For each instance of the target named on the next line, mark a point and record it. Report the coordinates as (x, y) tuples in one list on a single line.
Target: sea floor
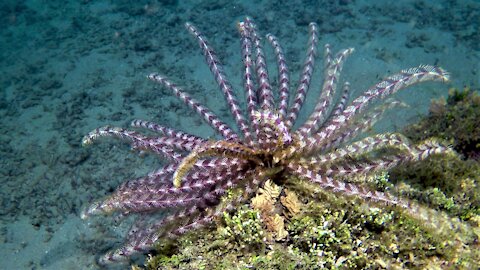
[(69, 67)]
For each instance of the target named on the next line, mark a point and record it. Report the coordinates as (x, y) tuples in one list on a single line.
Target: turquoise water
[(70, 67)]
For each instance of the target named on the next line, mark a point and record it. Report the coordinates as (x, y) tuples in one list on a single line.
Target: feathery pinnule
[(168, 132), (206, 114), (222, 81), (249, 85), (264, 91), (350, 189), (317, 117), (137, 140), (362, 124), (360, 147), (305, 78), (193, 187), (283, 75), (381, 90), (342, 102)]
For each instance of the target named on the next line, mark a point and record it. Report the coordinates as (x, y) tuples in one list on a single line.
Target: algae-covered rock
[(296, 225), (331, 232), (456, 119), (447, 182)]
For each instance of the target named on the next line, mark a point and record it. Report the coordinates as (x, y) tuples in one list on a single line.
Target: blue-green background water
[(68, 67)]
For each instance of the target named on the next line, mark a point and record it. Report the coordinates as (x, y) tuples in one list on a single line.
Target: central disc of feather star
[(322, 150), (257, 153)]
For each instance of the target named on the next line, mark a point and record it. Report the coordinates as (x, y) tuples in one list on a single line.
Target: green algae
[(455, 119)]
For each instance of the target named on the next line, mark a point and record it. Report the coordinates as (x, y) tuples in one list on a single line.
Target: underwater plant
[(195, 186)]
